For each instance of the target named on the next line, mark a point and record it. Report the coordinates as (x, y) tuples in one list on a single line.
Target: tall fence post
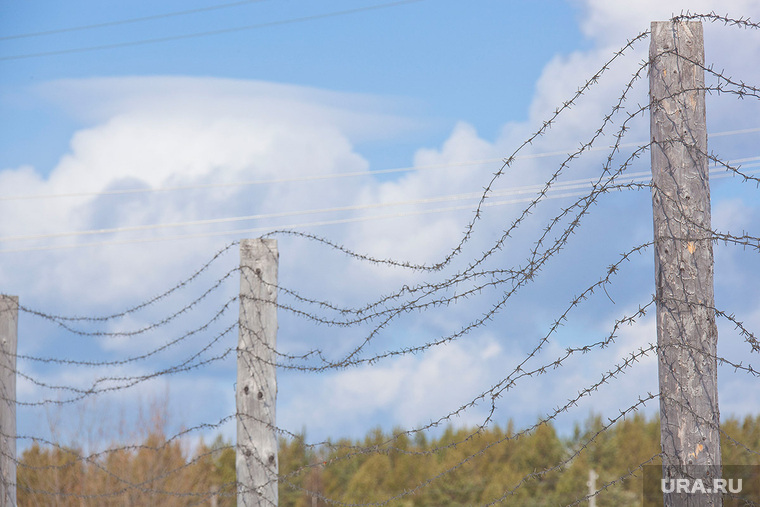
[(8, 344), (686, 331), (256, 392)]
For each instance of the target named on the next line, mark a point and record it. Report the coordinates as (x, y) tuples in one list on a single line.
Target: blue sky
[(445, 88), (355, 53)]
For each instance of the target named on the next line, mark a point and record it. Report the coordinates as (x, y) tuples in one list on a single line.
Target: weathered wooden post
[(256, 461), (686, 331), (591, 483), (8, 344)]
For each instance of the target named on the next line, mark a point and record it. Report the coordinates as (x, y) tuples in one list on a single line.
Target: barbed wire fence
[(210, 340)]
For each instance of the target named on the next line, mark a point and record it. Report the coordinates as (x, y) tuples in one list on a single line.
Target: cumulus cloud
[(405, 393), (152, 133), (606, 22), (157, 132)]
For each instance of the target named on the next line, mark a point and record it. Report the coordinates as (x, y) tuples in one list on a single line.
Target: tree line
[(458, 467)]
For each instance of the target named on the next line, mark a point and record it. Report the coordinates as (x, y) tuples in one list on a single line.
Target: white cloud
[(608, 22), (164, 131), (159, 132), (733, 214), (410, 391)]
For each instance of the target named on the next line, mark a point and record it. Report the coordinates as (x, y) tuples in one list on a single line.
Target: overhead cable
[(127, 21), (571, 185), (208, 33), (316, 177)]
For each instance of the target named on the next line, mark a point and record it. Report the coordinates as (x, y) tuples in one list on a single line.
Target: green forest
[(456, 468)]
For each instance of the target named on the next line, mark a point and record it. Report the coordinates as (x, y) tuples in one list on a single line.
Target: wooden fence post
[(8, 344), (592, 477), (686, 331), (256, 392)]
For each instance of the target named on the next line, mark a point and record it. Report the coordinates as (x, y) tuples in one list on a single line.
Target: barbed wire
[(92, 459), (373, 449), (124, 382), (714, 17), (481, 452), (180, 285), (617, 480), (626, 364), (527, 273), (585, 349), (508, 161), (378, 313)]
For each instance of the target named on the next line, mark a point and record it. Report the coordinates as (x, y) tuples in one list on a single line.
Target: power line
[(288, 227), (573, 184), (296, 179), (127, 21), (316, 177), (570, 185), (208, 33), (734, 132)]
